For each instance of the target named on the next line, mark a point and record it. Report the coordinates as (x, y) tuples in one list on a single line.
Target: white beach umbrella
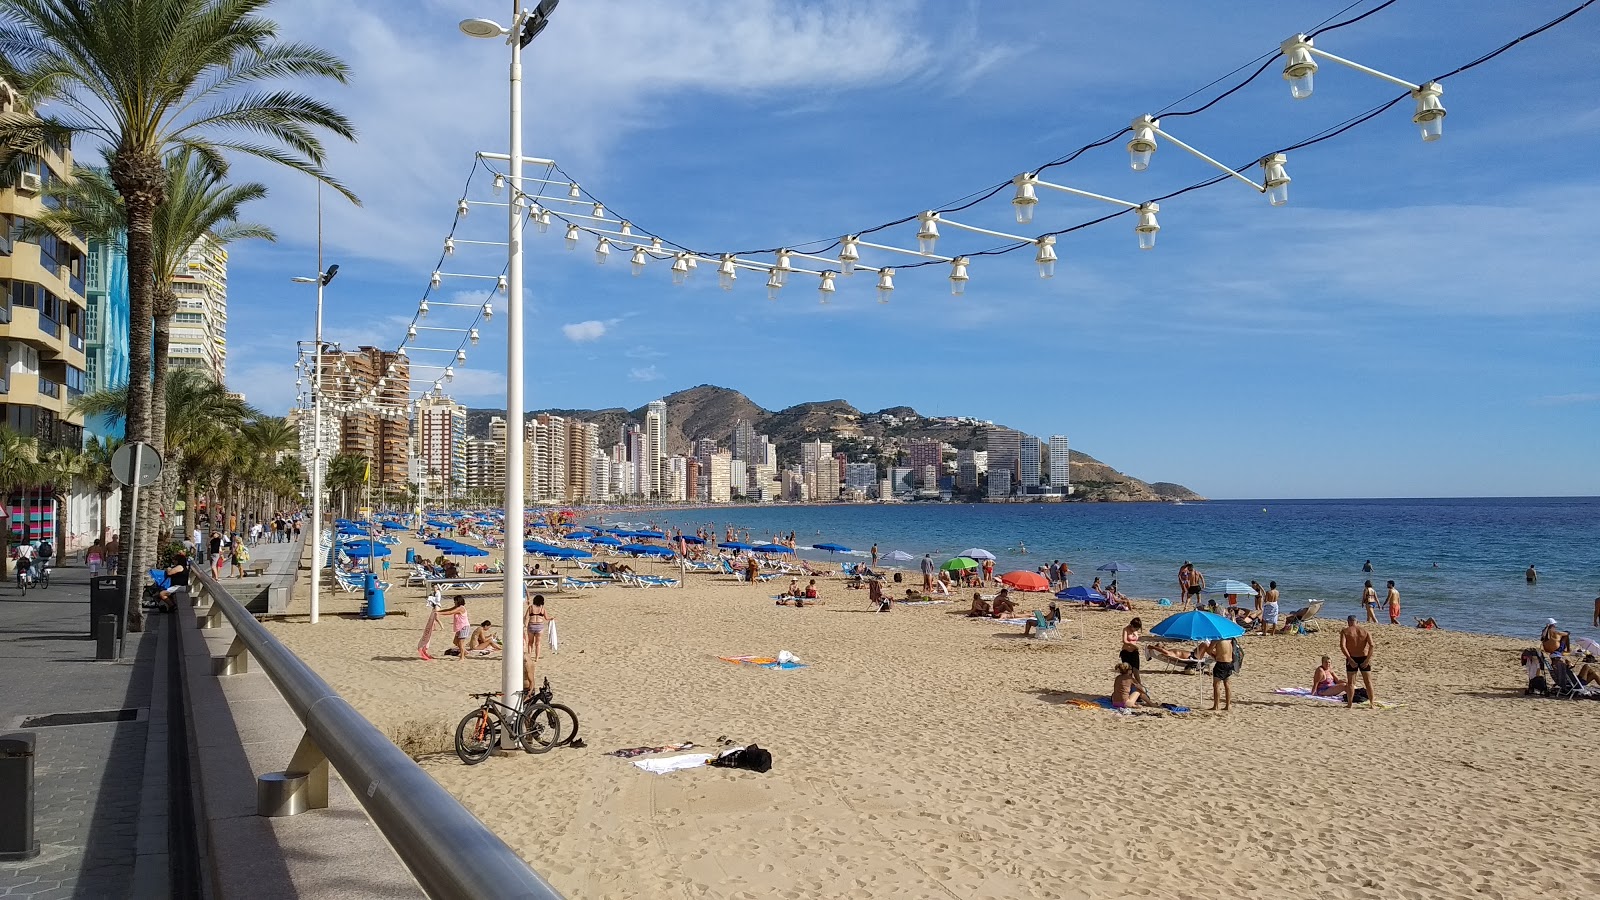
[(976, 553)]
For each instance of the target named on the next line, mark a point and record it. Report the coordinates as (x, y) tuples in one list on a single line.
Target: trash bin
[(16, 784), (105, 599), (411, 555), (374, 597)]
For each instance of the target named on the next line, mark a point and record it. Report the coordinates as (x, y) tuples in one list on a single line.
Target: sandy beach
[(924, 754)]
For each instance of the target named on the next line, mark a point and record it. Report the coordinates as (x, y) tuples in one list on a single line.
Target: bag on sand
[(752, 757)]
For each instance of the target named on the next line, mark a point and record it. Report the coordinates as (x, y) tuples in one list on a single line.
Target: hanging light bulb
[(1275, 178), (422, 308), (774, 286), (885, 284), (574, 192), (541, 218), (461, 356), (656, 249), (1430, 112), (1046, 257), (849, 255), (727, 272), (1143, 143), (958, 276), (411, 332), (462, 208), (299, 383), (826, 288), (436, 278), (637, 262), (599, 211), (1148, 226), (500, 285), (449, 373), (783, 268), (488, 310), (1026, 198), (473, 337), (1298, 66), (927, 231), (438, 387), (499, 183), (680, 269), (626, 229), (602, 251), (572, 236), (449, 246)]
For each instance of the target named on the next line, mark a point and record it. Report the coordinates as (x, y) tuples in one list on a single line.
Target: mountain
[(708, 411)]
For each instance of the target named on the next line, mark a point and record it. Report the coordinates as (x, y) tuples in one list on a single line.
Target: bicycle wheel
[(477, 736), (540, 729), (569, 729)]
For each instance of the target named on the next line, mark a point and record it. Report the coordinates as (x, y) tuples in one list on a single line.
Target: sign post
[(137, 465)]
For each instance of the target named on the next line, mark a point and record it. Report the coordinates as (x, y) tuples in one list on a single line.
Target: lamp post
[(525, 26), (321, 281)]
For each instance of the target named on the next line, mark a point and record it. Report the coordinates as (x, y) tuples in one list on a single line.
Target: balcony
[(75, 341), (49, 388)]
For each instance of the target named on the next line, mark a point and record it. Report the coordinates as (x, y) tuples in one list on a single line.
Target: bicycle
[(25, 576), (535, 727), (546, 696)]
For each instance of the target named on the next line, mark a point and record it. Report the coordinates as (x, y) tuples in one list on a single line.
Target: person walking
[(1369, 602), (988, 571), (927, 573), (1184, 572), (95, 558), (1356, 645), (239, 556), (1394, 604)]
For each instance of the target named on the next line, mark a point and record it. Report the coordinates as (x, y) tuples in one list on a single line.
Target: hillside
[(708, 411)]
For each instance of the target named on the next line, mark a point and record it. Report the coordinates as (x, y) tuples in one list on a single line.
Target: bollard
[(16, 784), (105, 637)]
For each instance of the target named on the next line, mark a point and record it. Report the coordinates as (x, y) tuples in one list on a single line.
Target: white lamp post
[(320, 280), (525, 26)]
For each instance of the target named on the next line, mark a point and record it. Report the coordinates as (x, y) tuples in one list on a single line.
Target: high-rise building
[(200, 325), (655, 447), (583, 442), (902, 481), (820, 470), (923, 453), (1029, 454), (967, 470), (442, 446), (691, 479), (1005, 450), (106, 334), (384, 441), (1060, 463), (703, 448), (485, 459), (547, 465), (677, 475), (719, 473), (861, 477), (744, 441)]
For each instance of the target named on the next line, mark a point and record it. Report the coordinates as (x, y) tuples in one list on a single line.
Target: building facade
[(1060, 464), (1005, 448), (106, 335), (655, 448), (923, 454), (819, 470), (200, 325), (442, 446), (364, 431)]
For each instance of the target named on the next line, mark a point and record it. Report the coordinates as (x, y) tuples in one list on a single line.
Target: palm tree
[(145, 78), (58, 467), (346, 472), (19, 468), (97, 472)]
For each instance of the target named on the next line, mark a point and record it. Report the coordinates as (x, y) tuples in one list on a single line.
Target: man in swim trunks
[(1269, 610), (1197, 584), (1221, 671), (1394, 604), (1357, 647)]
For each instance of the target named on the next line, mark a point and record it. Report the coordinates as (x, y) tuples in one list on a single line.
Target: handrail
[(452, 854)]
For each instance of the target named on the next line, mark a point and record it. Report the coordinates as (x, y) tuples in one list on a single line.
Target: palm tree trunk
[(104, 499), (163, 305), (140, 179)]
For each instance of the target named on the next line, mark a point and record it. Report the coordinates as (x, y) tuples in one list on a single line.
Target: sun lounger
[(1565, 684), (1187, 666)]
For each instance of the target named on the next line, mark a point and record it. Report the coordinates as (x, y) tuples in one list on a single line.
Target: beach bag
[(1360, 696), (897, 578), (752, 757), (242, 555)]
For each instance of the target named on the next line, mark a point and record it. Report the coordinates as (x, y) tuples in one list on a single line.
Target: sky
[(1421, 319)]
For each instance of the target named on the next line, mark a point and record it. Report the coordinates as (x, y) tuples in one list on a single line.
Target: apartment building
[(200, 325), (442, 446), (383, 441)]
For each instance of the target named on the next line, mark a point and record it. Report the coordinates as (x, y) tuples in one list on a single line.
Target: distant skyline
[(1419, 320)]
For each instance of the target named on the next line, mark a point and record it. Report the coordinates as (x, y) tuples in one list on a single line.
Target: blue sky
[(1420, 320)]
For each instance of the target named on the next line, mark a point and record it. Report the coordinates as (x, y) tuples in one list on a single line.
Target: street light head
[(302, 279), (482, 28)]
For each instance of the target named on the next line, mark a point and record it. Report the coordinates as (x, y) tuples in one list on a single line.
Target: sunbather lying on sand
[(1182, 655), (1427, 624), (797, 602)]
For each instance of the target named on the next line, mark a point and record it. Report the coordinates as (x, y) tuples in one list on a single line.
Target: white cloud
[(580, 332), (644, 373), (1567, 399)]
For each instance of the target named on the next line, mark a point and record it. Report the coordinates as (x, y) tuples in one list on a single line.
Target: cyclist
[(25, 562)]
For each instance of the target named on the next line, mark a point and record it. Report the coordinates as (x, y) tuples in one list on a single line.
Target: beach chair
[(1296, 621), (1186, 666), (1565, 684), (1043, 628), (582, 583)]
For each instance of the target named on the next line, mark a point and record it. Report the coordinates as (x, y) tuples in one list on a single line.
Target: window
[(76, 381), (5, 234), (5, 305), (190, 318)]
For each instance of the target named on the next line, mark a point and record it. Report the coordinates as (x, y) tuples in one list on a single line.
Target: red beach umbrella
[(1025, 581)]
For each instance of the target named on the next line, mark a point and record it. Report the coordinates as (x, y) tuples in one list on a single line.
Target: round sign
[(147, 458)]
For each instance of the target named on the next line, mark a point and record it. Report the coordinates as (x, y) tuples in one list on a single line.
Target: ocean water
[(1458, 560)]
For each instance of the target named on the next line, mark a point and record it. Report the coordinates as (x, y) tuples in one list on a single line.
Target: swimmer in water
[(1021, 547)]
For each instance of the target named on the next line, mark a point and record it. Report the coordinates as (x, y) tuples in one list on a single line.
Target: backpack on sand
[(752, 757)]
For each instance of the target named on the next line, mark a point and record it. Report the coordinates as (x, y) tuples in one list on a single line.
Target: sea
[(1460, 561)]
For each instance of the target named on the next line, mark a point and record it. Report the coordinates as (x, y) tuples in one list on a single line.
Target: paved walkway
[(89, 778)]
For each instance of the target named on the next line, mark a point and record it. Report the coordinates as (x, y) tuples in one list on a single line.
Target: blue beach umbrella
[(649, 534), (1115, 567), (977, 553), (1196, 625), (605, 539), (769, 547), (645, 550), (364, 549), (735, 545), (831, 548), (1080, 593), (689, 539)]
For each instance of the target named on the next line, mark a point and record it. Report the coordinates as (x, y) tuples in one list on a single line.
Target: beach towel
[(1332, 698), (550, 632), (631, 752), (921, 602), (765, 662), (1014, 621), (664, 764)]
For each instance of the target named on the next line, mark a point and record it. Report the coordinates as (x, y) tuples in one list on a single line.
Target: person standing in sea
[(1532, 576), (927, 573), (1369, 601), (1394, 604), (874, 556)]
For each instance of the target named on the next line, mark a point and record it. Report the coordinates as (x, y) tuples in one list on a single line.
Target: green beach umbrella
[(959, 563)]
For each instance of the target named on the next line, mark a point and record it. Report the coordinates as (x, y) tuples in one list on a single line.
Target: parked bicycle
[(569, 731), (535, 727)]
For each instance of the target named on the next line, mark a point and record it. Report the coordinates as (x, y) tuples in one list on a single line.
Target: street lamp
[(525, 26), (321, 281)]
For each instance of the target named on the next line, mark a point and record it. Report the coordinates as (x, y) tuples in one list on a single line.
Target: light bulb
[(849, 255), (499, 184), (462, 209), (1430, 112), (449, 246), (473, 336), (488, 310), (727, 273), (574, 192), (449, 373), (500, 285), (1298, 66), (1143, 143), (411, 332), (958, 276), (885, 284), (1148, 226), (461, 356), (541, 218), (927, 232), (1025, 200), (774, 286), (422, 308), (637, 262), (602, 251), (1275, 178), (783, 268), (599, 211), (436, 278), (680, 269), (826, 288), (1046, 257), (572, 236)]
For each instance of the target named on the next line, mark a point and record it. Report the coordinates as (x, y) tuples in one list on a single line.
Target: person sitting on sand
[(1125, 692), (1324, 683), (483, 642), (876, 596), (811, 589), (1428, 623), (943, 584), (1553, 641), (1003, 605), (794, 590), (980, 607)]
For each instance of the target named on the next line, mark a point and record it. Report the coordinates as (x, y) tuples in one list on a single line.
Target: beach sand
[(924, 754)]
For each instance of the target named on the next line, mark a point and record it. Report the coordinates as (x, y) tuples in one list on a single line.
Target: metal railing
[(450, 851)]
